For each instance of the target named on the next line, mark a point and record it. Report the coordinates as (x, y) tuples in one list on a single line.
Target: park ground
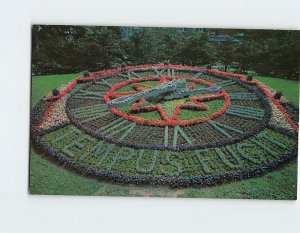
[(48, 178)]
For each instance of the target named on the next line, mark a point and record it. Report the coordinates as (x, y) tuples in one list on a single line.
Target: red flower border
[(51, 107), (112, 72), (165, 120), (278, 105)]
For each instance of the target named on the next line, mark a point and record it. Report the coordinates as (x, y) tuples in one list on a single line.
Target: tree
[(246, 54), (227, 51), (68, 49)]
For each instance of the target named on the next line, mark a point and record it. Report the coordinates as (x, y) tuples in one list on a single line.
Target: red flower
[(170, 121)]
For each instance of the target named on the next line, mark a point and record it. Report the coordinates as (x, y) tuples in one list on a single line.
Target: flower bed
[(195, 103), (177, 143)]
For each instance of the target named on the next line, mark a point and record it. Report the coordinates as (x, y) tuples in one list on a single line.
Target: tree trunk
[(226, 65)]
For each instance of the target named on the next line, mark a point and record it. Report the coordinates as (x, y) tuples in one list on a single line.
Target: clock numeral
[(242, 96), (117, 127), (246, 112), (166, 137), (226, 83), (177, 130), (197, 75), (103, 82), (171, 72), (96, 117), (90, 113), (220, 127), (129, 75), (135, 74), (159, 72), (82, 94), (111, 124), (88, 110)]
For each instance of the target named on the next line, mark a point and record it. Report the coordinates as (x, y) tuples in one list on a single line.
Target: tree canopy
[(68, 49)]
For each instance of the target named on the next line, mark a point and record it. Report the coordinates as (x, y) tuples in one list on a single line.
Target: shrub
[(86, 74), (166, 62), (278, 95), (251, 72), (123, 65), (250, 77), (55, 92)]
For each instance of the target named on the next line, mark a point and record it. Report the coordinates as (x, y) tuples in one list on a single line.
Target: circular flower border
[(43, 107), (165, 120), (241, 81)]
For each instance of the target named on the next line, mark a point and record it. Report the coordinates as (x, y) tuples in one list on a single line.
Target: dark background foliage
[(69, 49)]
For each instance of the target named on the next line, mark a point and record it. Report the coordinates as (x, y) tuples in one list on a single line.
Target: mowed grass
[(48, 178), (289, 88), (42, 85)]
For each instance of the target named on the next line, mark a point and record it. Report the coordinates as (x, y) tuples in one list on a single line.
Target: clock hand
[(185, 93), (165, 91), (160, 90)]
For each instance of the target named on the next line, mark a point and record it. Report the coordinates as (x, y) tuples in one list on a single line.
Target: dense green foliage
[(55, 92), (278, 95), (86, 73), (67, 49)]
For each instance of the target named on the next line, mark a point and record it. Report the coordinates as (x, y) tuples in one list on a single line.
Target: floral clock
[(166, 124)]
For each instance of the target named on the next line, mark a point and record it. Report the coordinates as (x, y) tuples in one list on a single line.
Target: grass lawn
[(48, 178), (289, 88), (42, 85)]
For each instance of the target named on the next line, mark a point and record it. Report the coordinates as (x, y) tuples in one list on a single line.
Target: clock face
[(180, 111), (213, 127), (180, 123)]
